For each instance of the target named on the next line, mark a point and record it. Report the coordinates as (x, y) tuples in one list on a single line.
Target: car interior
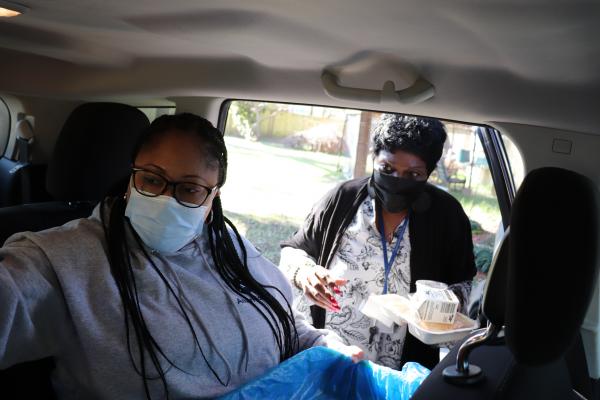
[(78, 78)]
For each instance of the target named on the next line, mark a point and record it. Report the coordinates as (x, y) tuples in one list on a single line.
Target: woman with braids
[(380, 235), (156, 295)]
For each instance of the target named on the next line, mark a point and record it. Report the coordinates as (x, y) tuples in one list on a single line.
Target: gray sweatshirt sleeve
[(31, 306)]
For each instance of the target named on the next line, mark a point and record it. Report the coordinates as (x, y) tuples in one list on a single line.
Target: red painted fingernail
[(337, 290)]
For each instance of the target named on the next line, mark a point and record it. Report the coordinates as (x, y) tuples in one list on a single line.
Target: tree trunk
[(362, 146)]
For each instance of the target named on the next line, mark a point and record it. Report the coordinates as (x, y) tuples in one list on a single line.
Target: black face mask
[(395, 194)]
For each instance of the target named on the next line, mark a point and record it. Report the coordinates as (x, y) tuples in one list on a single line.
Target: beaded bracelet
[(295, 279)]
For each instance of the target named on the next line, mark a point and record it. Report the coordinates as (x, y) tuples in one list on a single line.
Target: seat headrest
[(24, 130), (552, 263), (494, 296), (93, 151)]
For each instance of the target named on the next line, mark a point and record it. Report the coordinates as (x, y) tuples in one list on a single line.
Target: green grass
[(480, 208), (264, 233)]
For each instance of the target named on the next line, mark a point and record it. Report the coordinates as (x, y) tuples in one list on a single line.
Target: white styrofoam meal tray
[(392, 307), (428, 336)]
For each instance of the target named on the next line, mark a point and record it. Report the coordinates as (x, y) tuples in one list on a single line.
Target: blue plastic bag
[(321, 373)]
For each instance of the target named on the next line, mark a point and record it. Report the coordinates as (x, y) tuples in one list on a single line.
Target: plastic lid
[(430, 285)]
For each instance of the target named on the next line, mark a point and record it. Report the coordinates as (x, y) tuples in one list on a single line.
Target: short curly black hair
[(423, 137)]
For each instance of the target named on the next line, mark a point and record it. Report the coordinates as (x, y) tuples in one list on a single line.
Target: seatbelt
[(22, 150), (23, 141), (21, 154)]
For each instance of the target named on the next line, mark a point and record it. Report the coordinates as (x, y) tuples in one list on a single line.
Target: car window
[(465, 173), (4, 126), (154, 112), (284, 157)]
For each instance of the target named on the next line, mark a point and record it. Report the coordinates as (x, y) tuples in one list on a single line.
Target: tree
[(247, 116)]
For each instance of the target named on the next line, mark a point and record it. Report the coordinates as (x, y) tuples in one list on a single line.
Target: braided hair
[(232, 267)]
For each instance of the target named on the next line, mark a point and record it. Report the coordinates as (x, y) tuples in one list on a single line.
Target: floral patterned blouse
[(359, 259)]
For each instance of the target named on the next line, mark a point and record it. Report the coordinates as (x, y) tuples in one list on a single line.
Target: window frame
[(502, 176)]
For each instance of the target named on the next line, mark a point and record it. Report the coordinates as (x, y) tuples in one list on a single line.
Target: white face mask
[(162, 223)]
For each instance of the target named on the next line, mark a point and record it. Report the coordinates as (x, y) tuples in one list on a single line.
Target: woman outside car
[(380, 235)]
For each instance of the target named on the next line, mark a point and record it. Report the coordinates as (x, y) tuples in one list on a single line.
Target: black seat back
[(552, 263), (39, 216), (93, 151), (544, 286), (92, 154)]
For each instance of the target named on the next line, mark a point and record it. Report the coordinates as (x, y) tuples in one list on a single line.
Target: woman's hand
[(319, 286), (354, 352), (333, 341)]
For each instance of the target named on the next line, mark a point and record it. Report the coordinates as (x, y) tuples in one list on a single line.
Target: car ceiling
[(534, 62)]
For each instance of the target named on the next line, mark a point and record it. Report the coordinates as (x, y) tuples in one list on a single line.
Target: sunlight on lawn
[(480, 208), (267, 180), (270, 189)]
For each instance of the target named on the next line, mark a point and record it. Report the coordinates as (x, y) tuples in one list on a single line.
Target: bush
[(324, 138)]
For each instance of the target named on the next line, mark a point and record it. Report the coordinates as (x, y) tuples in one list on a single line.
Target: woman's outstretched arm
[(32, 309)]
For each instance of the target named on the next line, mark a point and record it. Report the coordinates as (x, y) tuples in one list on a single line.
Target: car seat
[(539, 288), (92, 155)]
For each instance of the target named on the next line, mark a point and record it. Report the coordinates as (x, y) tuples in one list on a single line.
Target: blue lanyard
[(387, 264)]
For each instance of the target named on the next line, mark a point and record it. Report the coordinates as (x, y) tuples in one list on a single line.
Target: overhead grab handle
[(418, 92)]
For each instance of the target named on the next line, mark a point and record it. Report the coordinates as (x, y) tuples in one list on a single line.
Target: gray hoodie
[(58, 298)]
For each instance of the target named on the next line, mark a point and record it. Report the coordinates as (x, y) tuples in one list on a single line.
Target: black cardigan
[(440, 239)]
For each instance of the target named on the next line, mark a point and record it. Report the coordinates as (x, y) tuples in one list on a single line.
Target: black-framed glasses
[(187, 194)]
